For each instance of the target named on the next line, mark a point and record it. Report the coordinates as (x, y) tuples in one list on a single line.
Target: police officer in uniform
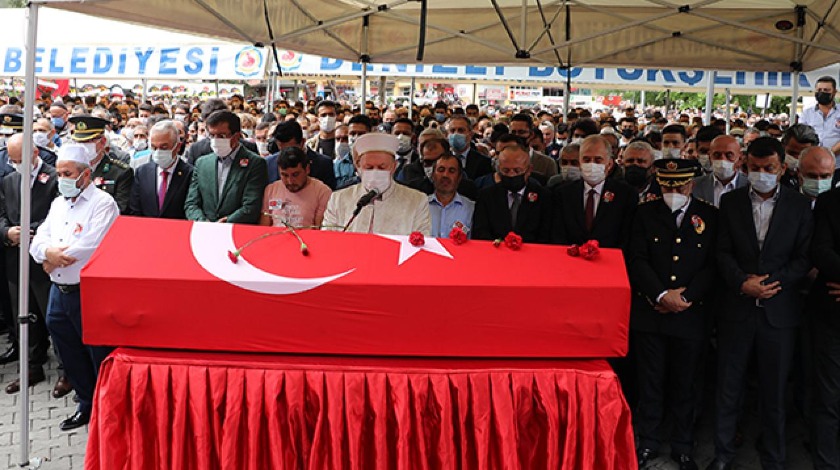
[(671, 263), (110, 175)]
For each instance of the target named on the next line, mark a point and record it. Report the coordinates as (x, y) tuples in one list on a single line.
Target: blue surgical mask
[(814, 187), (458, 142), (763, 182), (58, 123), (67, 187)]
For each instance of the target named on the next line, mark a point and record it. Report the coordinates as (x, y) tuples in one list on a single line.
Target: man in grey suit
[(726, 157)]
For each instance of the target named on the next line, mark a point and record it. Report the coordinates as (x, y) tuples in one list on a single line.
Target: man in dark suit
[(290, 134), (44, 188), (765, 231), (227, 185), (202, 147), (726, 160), (160, 186), (418, 174), (825, 302), (671, 264), (594, 208), (516, 204), (112, 176), (460, 135)]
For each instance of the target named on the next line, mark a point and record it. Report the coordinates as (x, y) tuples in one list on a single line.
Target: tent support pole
[(794, 99), (710, 99), (364, 59), (728, 109), (145, 83), (411, 98), (667, 100), (642, 99), (25, 211), (383, 80), (217, 88)]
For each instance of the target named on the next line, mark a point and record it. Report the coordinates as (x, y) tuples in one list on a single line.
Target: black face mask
[(513, 184), (636, 176), (628, 133), (823, 98)]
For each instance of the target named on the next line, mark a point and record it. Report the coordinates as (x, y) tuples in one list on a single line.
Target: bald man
[(44, 188), (516, 204), (726, 159), (816, 172)]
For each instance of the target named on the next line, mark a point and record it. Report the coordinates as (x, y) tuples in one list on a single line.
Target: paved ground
[(65, 450), (56, 449)]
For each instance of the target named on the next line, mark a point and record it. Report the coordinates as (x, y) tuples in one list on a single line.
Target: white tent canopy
[(768, 35)]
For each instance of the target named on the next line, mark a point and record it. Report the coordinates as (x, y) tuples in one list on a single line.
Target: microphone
[(363, 201), (366, 199)]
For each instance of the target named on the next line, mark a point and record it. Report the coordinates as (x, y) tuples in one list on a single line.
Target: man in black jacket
[(765, 231), (516, 204)]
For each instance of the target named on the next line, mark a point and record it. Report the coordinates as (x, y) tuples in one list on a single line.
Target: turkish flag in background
[(145, 287)]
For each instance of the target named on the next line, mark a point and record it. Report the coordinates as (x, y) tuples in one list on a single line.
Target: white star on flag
[(407, 250)]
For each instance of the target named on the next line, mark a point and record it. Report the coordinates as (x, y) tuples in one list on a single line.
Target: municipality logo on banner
[(249, 62)]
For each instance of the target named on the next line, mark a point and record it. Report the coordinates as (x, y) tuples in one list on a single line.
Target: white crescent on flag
[(210, 243)]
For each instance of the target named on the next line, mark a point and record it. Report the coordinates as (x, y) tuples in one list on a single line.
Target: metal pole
[(295, 93), (710, 98), (642, 100), (217, 88), (364, 88), (766, 104), (728, 110), (567, 92), (145, 83), (523, 32), (667, 100), (383, 81), (411, 98), (794, 100), (25, 214)]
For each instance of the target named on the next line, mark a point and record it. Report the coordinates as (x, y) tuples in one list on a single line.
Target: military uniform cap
[(87, 127), (674, 172), (11, 123)]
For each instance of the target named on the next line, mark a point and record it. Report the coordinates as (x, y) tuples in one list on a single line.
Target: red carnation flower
[(458, 236), (513, 241), (590, 250), (417, 239), (304, 249), (573, 251), (234, 256)]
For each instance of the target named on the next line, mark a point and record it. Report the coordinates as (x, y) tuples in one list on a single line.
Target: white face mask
[(405, 144), (792, 163), (379, 180), (763, 182), (342, 149), (17, 166), (305, 135), (723, 169), (220, 147), (704, 161), (429, 170), (577, 140), (41, 139), (67, 187), (674, 200), (262, 147), (593, 173), (141, 144), (327, 123), (163, 158), (91, 150), (657, 154), (671, 152), (569, 172)]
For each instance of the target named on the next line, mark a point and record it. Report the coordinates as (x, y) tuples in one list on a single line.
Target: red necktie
[(589, 210), (162, 190)]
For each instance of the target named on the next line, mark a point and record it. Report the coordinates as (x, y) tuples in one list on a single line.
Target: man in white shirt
[(75, 225), (396, 209), (825, 116)]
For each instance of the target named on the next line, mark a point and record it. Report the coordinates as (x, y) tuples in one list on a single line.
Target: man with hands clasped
[(765, 231)]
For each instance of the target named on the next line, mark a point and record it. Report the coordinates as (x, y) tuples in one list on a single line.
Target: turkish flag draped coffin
[(172, 284)]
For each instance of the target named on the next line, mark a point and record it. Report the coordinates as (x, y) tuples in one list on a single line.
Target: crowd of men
[(731, 231)]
